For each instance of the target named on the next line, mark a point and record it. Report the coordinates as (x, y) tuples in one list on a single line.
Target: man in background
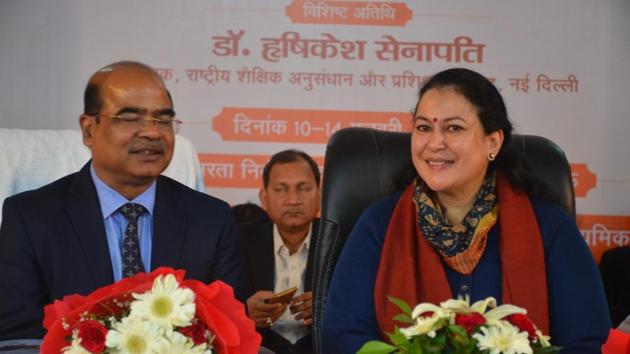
[(276, 253), (116, 216)]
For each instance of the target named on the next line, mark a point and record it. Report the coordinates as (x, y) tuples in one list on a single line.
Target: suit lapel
[(84, 212), (169, 227), (261, 254), (262, 257)]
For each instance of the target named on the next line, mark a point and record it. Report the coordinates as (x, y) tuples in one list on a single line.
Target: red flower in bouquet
[(470, 320), (151, 312), (523, 323), (92, 334), (196, 332)]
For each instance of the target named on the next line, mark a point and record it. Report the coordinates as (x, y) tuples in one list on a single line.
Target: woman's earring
[(492, 156)]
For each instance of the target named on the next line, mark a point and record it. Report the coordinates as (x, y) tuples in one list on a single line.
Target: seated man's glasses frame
[(135, 119)]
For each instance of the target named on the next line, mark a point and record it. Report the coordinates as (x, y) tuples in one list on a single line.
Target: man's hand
[(302, 307), (264, 315)]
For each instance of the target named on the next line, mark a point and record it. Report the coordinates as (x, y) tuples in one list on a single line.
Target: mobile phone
[(283, 296)]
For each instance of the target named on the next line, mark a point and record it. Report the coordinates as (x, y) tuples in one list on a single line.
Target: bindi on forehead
[(433, 119)]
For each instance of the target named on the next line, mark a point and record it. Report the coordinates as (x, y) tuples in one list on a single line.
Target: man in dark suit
[(615, 270), (117, 215), (276, 252)]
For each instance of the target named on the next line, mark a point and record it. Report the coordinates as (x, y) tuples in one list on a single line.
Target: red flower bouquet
[(157, 312)]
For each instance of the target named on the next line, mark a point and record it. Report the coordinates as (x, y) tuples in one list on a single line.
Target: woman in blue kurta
[(474, 223)]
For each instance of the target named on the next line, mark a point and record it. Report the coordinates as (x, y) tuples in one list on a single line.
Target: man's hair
[(288, 156), (92, 100)]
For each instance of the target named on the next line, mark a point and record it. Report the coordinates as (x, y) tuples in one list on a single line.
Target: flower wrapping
[(157, 312), (618, 343)]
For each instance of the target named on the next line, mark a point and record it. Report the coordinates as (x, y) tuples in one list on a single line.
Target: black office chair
[(364, 165)]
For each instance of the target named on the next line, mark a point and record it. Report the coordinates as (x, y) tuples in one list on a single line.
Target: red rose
[(196, 331), (92, 334), (470, 321), (523, 323)]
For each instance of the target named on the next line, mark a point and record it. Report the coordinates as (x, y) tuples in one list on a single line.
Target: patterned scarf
[(462, 245)]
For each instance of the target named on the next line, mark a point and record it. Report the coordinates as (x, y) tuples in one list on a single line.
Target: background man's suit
[(615, 270), (53, 243), (257, 273)]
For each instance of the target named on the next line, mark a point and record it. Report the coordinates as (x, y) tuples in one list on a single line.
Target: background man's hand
[(302, 307), (264, 315)]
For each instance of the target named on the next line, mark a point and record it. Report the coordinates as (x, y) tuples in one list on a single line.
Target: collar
[(278, 244), (110, 200)]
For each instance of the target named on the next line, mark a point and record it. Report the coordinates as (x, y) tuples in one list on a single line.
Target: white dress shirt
[(289, 272)]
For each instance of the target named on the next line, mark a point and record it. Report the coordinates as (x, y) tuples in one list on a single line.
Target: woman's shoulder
[(548, 212), (384, 207), (554, 221)]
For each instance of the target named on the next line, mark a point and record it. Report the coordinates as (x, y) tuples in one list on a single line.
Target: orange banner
[(236, 171), (362, 13), (300, 126), (583, 179), (603, 232)]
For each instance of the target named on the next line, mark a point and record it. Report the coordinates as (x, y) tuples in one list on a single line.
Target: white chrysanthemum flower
[(180, 344), (504, 339), (134, 336), (166, 305), (75, 347)]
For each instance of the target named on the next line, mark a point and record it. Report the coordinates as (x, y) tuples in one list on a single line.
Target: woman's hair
[(487, 100)]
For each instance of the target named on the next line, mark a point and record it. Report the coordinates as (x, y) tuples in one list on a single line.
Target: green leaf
[(440, 338), (402, 304), (458, 331), (376, 347), (403, 318), (435, 345), (397, 338), (550, 349), (415, 346)]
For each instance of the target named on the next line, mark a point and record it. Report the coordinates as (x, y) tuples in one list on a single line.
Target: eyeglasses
[(164, 121)]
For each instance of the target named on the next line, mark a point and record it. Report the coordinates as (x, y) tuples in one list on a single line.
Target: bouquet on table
[(618, 342), (157, 312), (457, 327)]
